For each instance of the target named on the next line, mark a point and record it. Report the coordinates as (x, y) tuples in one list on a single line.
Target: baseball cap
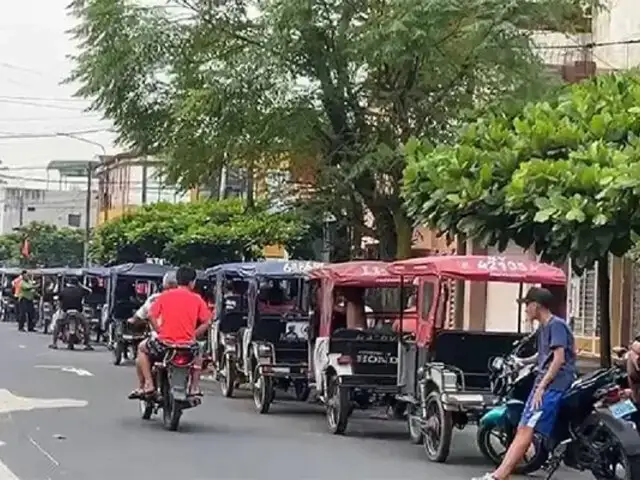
[(538, 295)]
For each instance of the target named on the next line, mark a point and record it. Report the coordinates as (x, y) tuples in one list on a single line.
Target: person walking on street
[(26, 295)]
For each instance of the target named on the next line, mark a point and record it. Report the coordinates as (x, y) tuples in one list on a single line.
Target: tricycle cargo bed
[(471, 351)]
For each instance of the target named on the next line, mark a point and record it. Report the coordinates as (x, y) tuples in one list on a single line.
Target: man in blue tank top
[(556, 361)]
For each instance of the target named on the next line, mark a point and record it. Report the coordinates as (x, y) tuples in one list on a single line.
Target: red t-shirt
[(180, 311)]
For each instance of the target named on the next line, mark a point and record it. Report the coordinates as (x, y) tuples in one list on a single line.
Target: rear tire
[(338, 407), (416, 435), (146, 409), (171, 410), (118, 353), (228, 380), (302, 391)]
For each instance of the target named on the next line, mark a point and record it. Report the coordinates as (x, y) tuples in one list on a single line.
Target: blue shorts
[(543, 419)]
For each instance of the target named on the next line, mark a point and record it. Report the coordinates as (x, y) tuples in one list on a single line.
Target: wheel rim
[(415, 429), (143, 406), (433, 429)]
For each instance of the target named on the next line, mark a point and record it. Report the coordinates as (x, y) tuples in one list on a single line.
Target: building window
[(74, 220), (31, 209)]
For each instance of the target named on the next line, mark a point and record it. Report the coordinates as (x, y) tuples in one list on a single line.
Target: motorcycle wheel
[(439, 429), (302, 391), (227, 382), (146, 409), (416, 436), (530, 464), (263, 392), (171, 412), (118, 353), (338, 407)]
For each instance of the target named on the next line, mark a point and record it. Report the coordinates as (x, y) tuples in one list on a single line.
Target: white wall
[(39, 205), (618, 23), (502, 308)]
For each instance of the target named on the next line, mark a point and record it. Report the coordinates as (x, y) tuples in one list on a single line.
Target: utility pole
[(87, 217), (145, 172), (21, 207)]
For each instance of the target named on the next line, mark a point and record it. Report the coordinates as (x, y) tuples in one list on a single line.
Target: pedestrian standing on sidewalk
[(26, 310)]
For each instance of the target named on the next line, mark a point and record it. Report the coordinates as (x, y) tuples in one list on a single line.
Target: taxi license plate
[(622, 409)]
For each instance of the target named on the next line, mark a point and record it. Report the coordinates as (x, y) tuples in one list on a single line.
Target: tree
[(49, 246), (562, 177), (341, 85), (199, 234)]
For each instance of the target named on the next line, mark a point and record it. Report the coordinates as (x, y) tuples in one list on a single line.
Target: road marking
[(44, 452), (6, 474), (22, 346), (12, 403), (78, 371)]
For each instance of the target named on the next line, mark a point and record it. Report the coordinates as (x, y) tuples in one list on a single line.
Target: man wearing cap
[(556, 364)]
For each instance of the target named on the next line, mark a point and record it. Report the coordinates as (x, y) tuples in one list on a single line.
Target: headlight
[(264, 350), (496, 364)]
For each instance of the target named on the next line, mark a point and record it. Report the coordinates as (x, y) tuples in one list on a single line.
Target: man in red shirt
[(178, 316)]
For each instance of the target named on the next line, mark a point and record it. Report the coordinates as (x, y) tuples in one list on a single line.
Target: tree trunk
[(604, 288), (250, 186), (404, 234)]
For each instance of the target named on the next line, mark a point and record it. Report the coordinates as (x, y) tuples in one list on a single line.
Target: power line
[(50, 119), (42, 99), (40, 105), (26, 135), (18, 68), (588, 45)]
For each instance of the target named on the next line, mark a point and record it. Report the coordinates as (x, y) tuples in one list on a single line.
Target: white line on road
[(44, 452), (78, 371)]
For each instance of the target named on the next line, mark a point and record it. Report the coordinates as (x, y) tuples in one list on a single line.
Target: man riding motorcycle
[(178, 316), (71, 299)]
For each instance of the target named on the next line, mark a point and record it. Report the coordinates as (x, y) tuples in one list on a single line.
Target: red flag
[(25, 248)]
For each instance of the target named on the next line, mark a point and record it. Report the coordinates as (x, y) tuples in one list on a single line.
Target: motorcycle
[(72, 333), (172, 378), (511, 382), (588, 435)]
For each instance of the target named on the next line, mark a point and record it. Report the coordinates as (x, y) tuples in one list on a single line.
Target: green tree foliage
[(562, 178), (340, 84), (199, 234), (49, 246)]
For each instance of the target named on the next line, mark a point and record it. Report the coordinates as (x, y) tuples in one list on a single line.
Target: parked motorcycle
[(512, 382), (588, 435), (172, 378)]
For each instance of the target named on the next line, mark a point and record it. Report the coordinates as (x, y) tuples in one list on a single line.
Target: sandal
[(197, 393), (140, 394)]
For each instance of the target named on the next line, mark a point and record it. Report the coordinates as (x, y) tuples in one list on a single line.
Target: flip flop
[(139, 394)]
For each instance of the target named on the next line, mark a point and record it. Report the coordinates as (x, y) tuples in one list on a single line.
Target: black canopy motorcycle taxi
[(260, 333), (129, 286)]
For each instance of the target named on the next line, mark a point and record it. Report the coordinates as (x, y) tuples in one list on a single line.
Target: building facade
[(63, 208), (126, 181)]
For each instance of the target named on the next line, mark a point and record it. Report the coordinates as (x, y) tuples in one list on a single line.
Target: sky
[(33, 61)]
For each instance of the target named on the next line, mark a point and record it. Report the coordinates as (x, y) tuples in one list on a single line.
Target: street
[(88, 430)]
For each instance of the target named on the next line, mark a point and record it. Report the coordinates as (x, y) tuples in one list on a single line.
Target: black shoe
[(88, 348), (53, 346), (21, 329)]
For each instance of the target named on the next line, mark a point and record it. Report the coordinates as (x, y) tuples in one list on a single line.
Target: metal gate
[(584, 310)]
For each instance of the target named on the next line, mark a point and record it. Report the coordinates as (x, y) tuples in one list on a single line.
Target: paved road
[(88, 430)]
